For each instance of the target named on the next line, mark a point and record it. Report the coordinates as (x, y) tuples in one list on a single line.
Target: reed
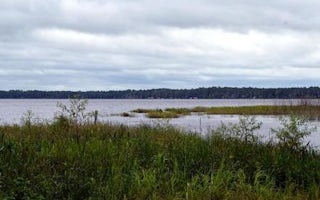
[(103, 161), (310, 111), (162, 114), (141, 110)]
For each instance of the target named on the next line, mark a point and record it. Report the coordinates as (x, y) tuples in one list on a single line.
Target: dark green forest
[(200, 93)]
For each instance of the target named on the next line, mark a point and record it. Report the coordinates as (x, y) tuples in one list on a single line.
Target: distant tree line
[(200, 93)]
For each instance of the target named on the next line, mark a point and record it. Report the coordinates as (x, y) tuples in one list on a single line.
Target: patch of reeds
[(161, 114), (311, 111), (265, 110), (157, 113), (179, 111), (103, 161), (141, 110)]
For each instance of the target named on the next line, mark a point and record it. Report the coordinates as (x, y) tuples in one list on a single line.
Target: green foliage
[(293, 133), (179, 111), (162, 114), (104, 161), (245, 130)]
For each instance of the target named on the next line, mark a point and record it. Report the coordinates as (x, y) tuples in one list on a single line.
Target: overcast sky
[(141, 44)]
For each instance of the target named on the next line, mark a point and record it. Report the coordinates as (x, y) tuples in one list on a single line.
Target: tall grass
[(103, 161), (311, 111)]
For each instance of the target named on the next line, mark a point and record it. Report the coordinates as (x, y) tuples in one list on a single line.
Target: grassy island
[(304, 110)]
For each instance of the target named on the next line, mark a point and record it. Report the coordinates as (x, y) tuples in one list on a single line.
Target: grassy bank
[(311, 111), (68, 160)]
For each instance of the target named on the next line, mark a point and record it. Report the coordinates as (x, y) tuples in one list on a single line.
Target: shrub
[(293, 132), (75, 111), (245, 130)]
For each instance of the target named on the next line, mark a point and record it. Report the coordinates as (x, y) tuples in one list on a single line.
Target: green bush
[(104, 161), (293, 133)]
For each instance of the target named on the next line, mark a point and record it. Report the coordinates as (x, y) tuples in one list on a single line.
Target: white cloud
[(80, 44)]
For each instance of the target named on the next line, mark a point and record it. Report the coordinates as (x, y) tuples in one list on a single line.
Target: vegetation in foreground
[(310, 111), (74, 159)]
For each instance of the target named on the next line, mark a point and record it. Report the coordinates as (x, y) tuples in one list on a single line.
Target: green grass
[(179, 111), (161, 114), (62, 160), (311, 111), (265, 110)]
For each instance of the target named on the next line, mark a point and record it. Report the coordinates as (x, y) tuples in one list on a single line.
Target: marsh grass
[(179, 111), (162, 114), (267, 110), (158, 113), (141, 110), (105, 161), (310, 111)]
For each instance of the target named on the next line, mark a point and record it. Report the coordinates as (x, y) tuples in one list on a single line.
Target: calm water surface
[(11, 111)]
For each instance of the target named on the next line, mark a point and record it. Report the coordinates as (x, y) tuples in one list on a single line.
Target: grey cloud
[(97, 44), (129, 16)]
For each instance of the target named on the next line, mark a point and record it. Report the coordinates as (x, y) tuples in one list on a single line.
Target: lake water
[(12, 110)]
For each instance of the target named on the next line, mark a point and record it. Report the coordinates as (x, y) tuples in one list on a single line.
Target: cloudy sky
[(141, 44)]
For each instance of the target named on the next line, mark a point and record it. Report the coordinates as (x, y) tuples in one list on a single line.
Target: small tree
[(75, 111), (293, 133), (245, 130)]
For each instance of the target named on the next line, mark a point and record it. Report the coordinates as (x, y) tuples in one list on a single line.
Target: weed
[(155, 162)]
